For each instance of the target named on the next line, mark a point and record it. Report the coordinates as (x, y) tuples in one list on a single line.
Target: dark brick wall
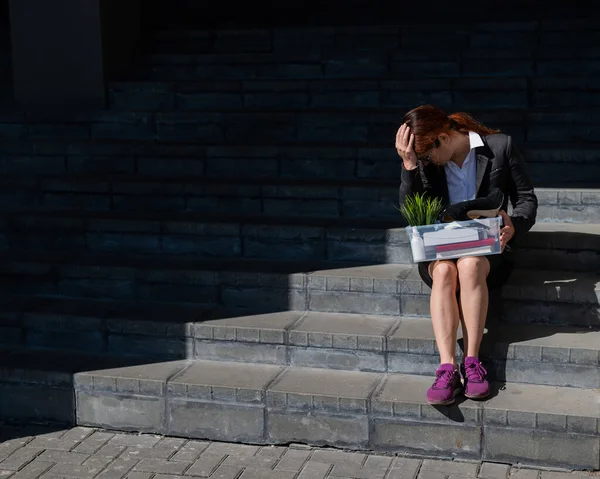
[(338, 12), (5, 63)]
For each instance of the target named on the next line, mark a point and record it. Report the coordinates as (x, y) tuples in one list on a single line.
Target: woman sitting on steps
[(455, 158)]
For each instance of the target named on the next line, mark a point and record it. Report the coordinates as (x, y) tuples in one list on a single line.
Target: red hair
[(427, 122)]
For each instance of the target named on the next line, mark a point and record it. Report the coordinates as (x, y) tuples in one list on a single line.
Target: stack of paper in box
[(453, 240)]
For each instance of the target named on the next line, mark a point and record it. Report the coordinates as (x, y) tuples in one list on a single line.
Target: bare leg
[(465, 336), (444, 308), (472, 274)]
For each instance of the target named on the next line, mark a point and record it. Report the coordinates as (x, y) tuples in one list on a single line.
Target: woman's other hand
[(508, 230), (404, 146)]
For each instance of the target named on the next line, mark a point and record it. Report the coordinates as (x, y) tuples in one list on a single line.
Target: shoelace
[(443, 379), (475, 372)]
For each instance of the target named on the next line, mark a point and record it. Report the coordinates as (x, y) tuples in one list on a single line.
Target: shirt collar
[(475, 140)]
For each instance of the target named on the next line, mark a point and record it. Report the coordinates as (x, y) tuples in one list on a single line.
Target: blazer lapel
[(482, 166)]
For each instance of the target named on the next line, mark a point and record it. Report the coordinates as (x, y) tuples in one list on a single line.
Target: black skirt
[(501, 266)]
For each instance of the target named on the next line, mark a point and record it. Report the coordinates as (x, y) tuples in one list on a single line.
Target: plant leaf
[(419, 209)]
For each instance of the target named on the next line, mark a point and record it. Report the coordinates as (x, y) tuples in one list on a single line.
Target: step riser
[(262, 248), (275, 418), (569, 214), (155, 331), (582, 376), (413, 429), (524, 311), (309, 293), (558, 260), (37, 403), (419, 357), (263, 405), (515, 310), (546, 373)]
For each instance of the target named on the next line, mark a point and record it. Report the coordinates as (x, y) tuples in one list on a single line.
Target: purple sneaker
[(446, 386), (476, 385)]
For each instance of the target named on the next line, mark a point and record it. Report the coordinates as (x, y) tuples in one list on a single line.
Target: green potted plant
[(420, 210)]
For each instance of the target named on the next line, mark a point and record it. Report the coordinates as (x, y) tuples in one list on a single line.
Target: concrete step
[(350, 94), (258, 286), (561, 246), (534, 354), (553, 245), (38, 386), (566, 165), (560, 297), (268, 404), (569, 205), (553, 297)]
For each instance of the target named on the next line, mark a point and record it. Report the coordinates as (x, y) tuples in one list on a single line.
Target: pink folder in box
[(466, 244)]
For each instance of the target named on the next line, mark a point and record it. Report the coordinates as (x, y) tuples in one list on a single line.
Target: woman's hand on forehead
[(405, 141)]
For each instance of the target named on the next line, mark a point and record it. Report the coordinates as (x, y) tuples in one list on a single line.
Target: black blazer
[(499, 165)]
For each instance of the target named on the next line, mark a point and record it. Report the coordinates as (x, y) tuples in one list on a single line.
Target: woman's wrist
[(409, 166)]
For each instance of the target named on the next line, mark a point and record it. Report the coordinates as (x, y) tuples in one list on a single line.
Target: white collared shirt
[(462, 182)]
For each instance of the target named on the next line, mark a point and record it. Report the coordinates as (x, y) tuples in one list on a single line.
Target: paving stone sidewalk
[(31, 452)]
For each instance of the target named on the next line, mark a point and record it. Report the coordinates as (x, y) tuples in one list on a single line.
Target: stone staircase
[(219, 255)]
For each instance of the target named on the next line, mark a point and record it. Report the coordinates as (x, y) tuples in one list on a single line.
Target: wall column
[(63, 51)]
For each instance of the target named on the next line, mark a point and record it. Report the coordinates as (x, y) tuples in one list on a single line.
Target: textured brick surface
[(541, 447), (490, 470), (145, 458), (231, 422), (137, 218), (264, 403), (537, 353)]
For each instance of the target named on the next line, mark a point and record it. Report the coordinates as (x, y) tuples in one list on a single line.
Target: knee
[(445, 274), (473, 269)]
